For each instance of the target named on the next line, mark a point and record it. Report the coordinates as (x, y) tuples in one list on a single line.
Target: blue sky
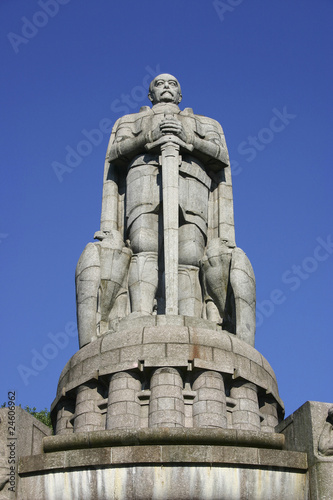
[(262, 69)]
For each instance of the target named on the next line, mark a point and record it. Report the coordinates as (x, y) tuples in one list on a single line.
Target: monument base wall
[(256, 468)]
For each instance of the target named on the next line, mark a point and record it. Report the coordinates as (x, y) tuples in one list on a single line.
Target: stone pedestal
[(165, 463), (166, 407), (167, 371)]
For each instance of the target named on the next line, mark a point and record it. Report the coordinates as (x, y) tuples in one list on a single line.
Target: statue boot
[(100, 278), (229, 280), (87, 279), (243, 285), (115, 260), (142, 282)]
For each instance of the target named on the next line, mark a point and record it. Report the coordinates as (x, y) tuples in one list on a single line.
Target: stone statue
[(166, 245), (325, 445)]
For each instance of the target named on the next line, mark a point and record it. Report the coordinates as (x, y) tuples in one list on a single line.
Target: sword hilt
[(169, 138)]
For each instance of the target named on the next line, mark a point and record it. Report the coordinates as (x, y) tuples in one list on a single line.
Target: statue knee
[(191, 245), (143, 234), (144, 240)]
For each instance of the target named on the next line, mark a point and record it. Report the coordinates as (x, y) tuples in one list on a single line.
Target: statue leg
[(87, 279), (243, 285), (191, 249), (115, 260), (216, 271), (143, 273)]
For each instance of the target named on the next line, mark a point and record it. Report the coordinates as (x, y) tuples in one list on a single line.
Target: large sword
[(170, 160)]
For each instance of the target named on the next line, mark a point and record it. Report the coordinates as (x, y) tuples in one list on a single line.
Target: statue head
[(165, 88)]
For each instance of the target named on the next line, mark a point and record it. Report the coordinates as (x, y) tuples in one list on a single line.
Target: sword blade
[(170, 170)]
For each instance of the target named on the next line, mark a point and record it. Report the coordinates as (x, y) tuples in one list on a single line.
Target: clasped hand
[(169, 126)]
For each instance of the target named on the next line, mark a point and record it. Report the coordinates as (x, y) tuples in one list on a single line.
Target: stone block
[(190, 453), (86, 352), (216, 407), (242, 455), (199, 407), (224, 359), (211, 338), (124, 422), (121, 395), (109, 358), (260, 376), (80, 458), (243, 367), (166, 378), (177, 352), (79, 421), (130, 353), (65, 370), (85, 407), (166, 334), (190, 321), (38, 462), (166, 418), (244, 349), (213, 420), (167, 391), (153, 351), (200, 352), (94, 419), (75, 373), (134, 323), (90, 365), (136, 454), (119, 408), (121, 339), (206, 393), (133, 408), (268, 367), (120, 367), (170, 320), (166, 403)]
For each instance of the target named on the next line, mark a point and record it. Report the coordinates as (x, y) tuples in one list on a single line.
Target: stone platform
[(166, 407), (171, 374), (164, 464)]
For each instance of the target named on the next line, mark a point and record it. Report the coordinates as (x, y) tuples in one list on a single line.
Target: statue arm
[(209, 143), (126, 145), (129, 139)]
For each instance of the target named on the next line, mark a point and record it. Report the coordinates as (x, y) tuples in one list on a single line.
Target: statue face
[(165, 88)]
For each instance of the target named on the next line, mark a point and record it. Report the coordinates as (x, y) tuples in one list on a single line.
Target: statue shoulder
[(134, 117), (205, 120)]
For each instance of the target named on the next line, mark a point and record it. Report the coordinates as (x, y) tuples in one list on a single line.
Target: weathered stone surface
[(304, 430), (20, 435), (167, 186), (162, 471), (152, 347)]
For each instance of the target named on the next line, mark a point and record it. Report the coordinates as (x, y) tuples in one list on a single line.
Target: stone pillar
[(166, 407), (88, 416), (209, 406), (124, 407), (245, 414), (269, 413), (64, 424)]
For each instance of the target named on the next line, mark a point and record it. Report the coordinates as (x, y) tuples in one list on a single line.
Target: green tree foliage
[(43, 415)]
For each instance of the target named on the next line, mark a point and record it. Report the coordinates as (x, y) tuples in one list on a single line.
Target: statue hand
[(173, 126)]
